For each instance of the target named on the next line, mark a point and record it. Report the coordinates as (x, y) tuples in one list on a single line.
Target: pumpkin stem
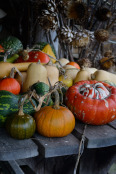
[(21, 103), (56, 103), (21, 110)]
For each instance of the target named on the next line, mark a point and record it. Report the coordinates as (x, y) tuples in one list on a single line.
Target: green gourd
[(9, 105), (20, 125), (9, 102), (12, 43), (41, 89)]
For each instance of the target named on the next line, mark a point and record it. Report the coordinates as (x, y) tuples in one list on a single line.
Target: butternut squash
[(102, 75), (63, 62), (52, 74), (82, 75), (18, 77), (5, 67), (90, 70), (35, 72), (71, 71)]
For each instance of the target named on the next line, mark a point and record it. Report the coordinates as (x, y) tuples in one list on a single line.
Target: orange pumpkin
[(74, 64), (11, 85), (54, 121)]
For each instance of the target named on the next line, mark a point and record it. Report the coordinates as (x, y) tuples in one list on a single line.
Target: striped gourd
[(9, 105)]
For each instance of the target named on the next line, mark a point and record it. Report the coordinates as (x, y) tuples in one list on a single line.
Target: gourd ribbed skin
[(91, 111), (52, 122), (20, 126), (41, 89), (9, 106)]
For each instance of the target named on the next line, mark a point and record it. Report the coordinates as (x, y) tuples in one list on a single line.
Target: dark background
[(18, 20)]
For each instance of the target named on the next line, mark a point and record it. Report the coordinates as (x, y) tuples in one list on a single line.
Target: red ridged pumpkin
[(34, 56), (54, 121), (91, 104), (11, 85)]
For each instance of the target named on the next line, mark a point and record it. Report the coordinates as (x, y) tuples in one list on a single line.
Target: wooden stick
[(81, 146)]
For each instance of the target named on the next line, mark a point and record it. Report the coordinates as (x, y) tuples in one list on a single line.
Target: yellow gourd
[(48, 50), (52, 74), (66, 80), (35, 72), (102, 75)]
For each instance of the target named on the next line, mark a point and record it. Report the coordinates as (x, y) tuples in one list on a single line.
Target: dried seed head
[(101, 35), (78, 11), (85, 62), (66, 35), (81, 39), (48, 18)]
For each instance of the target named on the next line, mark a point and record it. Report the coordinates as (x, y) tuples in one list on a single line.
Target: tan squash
[(35, 72), (82, 75), (102, 75), (18, 77), (52, 74), (71, 71), (63, 62), (5, 67), (90, 70)]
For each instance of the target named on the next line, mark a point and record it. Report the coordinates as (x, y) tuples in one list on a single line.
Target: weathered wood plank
[(52, 147), (113, 124), (96, 136), (12, 149)]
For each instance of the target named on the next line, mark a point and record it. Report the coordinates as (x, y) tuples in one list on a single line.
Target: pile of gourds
[(88, 97)]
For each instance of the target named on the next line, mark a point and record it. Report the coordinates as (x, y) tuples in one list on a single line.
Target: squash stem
[(56, 103)]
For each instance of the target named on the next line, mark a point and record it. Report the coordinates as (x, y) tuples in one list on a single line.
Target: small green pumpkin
[(20, 125)]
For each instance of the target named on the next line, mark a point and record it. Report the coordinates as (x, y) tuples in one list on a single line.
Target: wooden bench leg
[(9, 167), (97, 161)]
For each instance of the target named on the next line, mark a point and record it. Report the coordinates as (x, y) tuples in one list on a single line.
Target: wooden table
[(58, 155)]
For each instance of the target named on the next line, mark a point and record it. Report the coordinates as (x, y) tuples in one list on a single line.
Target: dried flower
[(78, 11), (101, 35)]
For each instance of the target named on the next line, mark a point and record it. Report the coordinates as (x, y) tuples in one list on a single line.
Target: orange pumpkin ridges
[(54, 121), (89, 110)]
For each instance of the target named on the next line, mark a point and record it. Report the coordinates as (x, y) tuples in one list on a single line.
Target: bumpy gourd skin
[(91, 111)]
